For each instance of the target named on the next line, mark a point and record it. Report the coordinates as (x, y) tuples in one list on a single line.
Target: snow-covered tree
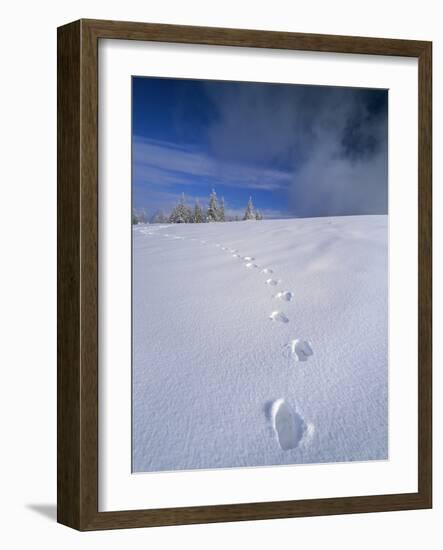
[(142, 216), (212, 215), (249, 212), (159, 217), (198, 216), (181, 213), (134, 219), (221, 210), (258, 215)]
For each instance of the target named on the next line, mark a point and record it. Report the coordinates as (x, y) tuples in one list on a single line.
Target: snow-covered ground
[(260, 343)]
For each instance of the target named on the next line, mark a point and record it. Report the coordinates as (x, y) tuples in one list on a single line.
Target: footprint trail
[(288, 425), (285, 295), (278, 316), (300, 350)]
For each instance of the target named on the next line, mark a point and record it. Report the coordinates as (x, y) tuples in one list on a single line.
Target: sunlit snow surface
[(260, 343)]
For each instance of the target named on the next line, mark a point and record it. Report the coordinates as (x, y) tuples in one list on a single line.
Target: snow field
[(206, 362)]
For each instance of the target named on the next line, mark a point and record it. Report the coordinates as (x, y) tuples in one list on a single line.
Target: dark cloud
[(333, 142)]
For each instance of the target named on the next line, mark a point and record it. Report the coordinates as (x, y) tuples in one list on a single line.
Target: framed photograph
[(244, 275)]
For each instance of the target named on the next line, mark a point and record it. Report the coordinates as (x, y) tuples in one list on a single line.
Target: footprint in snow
[(236, 256), (272, 282), (233, 250), (250, 265), (300, 350), (285, 295), (278, 316), (248, 258), (267, 271), (289, 426), (223, 248)]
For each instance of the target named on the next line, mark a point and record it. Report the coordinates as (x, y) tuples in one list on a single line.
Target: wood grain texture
[(425, 273), (254, 38), (68, 275), (77, 452)]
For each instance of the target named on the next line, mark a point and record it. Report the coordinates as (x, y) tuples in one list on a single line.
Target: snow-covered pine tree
[(221, 210), (187, 212), (181, 213), (159, 217), (142, 216), (198, 213), (249, 212), (173, 215), (212, 215), (258, 215)]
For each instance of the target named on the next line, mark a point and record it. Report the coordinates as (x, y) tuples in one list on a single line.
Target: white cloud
[(160, 163)]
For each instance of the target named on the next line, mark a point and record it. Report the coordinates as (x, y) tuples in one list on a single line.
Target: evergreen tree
[(258, 215), (159, 217), (249, 212), (134, 219), (142, 216), (198, 213), (181, 213), (221, 210), (173, 215), (212, 215)]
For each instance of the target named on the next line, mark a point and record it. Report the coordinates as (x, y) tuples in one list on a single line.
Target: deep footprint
[(278, 316), (289, 426), (285, 295), (301, 350)]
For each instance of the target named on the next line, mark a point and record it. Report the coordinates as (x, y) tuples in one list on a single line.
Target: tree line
[(182, 213)]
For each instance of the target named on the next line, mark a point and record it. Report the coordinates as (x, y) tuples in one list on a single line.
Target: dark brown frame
[(77, 452)]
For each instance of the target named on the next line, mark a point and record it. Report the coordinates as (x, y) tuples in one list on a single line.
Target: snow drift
[(260, 343)]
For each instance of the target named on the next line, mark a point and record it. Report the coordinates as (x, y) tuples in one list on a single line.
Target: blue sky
[(297, 150)]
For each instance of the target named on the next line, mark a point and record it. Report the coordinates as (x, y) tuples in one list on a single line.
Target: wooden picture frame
[(77, 456)]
